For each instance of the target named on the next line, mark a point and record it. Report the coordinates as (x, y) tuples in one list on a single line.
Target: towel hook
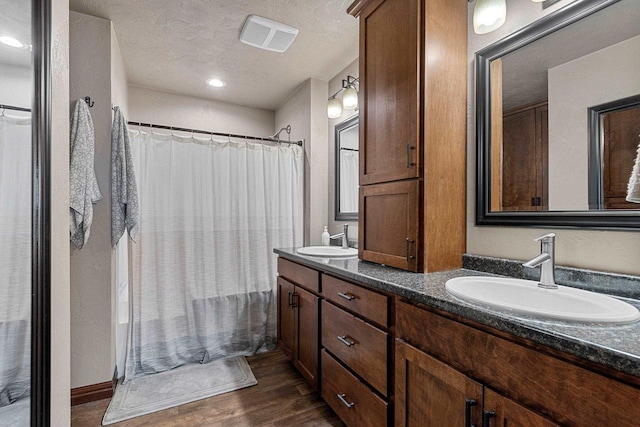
[(90, 103)]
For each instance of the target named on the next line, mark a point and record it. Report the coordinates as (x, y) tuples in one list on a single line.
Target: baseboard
[(91, 393)]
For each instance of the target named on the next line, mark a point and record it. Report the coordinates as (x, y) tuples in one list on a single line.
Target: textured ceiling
[(176, 45), (525, 71), (15, 21)]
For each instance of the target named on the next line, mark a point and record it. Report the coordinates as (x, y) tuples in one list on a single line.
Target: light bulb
[(334, 108), (489, 15), (216, 83), (350, 99)]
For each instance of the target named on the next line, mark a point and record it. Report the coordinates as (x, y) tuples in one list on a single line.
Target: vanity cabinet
[(524, 384), (413, 87), (298, 314)]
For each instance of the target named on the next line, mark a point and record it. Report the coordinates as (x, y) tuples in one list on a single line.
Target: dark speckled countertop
[(617, 347)]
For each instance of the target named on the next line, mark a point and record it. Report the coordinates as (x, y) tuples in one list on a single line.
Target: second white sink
[(328, 251), (526, 297)]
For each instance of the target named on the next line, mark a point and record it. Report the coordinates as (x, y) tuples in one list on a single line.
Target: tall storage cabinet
[(413, 85)]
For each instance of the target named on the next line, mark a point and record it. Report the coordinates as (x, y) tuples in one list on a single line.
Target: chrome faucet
[(547, 261), (344, 235)]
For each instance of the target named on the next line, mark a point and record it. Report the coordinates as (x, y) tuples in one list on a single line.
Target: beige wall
[(601, 250), (305, 111), (334, 85), (603, 76), (60, 290), (92, 341), (164, 108)]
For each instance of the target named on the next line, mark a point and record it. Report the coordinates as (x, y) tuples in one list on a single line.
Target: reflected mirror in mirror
[(347, 169), (16, 84), (565, 116)]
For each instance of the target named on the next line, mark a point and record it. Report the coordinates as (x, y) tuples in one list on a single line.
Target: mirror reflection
[(347, 169), (15, 211), (565, 117)]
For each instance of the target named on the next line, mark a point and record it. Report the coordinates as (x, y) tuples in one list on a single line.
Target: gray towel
[(83, 185), (124, 192)]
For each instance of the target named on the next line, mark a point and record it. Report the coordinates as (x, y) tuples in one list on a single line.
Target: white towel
[(633, 188), (124, 192), (83, 185)]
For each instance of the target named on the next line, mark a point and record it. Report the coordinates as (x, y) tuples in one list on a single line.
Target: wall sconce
[(349, 98), (489, 15)]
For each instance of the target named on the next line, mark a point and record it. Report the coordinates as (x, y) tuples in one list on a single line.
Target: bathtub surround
[(617, 251)]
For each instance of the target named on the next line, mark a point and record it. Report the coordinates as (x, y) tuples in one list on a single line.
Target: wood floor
[(281, 398)]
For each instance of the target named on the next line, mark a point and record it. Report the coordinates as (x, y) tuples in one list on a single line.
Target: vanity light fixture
[(489, 15), (216, 83), (11, 41), (349, 100)]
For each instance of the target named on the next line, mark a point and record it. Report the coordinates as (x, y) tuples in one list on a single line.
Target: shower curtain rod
[(11, 107), (205, 132)]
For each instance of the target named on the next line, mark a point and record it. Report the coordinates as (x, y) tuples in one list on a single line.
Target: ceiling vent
[(267, 34)]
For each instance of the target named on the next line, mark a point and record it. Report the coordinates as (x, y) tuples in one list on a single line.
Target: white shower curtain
[(203, 268), (349, 171), (15, 259)]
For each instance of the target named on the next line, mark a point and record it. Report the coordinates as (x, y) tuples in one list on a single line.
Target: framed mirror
[(558, 120), (347, 170), (24, 212)]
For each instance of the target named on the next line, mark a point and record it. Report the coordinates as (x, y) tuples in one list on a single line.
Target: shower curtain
[(349, 171), (15, 259), (203, 268)]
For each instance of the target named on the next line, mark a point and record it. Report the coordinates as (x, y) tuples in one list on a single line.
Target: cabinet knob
[(343, 339), (468, 404), (343, 399)]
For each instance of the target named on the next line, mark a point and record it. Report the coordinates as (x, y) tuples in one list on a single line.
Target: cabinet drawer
[(369, 304), (561, 391), (299, 275), (359, 345), (361, 407)]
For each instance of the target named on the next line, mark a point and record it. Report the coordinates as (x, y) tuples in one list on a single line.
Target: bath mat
[(185, 384)]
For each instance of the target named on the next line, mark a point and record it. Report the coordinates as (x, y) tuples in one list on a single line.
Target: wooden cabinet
[(389, 224), (413, 87), (502, 412), (525, 154), (298, 314)]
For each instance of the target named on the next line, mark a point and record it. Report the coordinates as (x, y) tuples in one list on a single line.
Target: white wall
[(164, 108), (60, 283), (16, 87), (334, 85), (305, 111), (92, 341), (602, 250), (603, 76)]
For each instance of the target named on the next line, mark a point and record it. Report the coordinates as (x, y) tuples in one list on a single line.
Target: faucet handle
[(546, 238)]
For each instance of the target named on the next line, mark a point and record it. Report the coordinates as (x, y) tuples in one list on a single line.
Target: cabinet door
[(390, 65), (389, 224), (286, 317), (307, 318), (502, 412), (432, 394)]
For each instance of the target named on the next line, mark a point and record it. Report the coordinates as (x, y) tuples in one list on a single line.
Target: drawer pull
[(343, 339), (348, 297), (343, 400), (486, 418), (409, 162), (289, 303), (468, 404), (409, 256)]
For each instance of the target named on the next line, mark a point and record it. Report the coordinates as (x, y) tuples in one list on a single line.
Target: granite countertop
[(617, 346)]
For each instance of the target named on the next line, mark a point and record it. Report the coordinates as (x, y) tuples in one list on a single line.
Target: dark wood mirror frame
[(618, 220), (41, 220), (342, 216)]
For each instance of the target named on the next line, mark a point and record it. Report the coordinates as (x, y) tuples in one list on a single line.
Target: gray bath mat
[(182, 385)]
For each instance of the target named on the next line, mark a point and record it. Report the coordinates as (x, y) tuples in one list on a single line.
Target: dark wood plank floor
[(281, 398)]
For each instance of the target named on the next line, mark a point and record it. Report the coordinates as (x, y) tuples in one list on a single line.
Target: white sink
[(525, 297), (328, 251)]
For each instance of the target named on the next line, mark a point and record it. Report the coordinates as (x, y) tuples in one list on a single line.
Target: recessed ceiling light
[(10, 41), (216, 82)]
